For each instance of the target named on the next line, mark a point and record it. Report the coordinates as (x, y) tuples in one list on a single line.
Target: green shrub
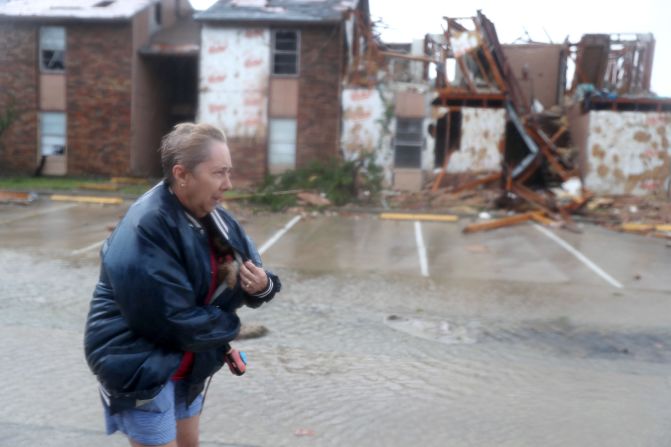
[(340, 181)]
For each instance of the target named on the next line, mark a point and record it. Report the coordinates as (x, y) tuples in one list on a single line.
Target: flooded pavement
[(501, 339)]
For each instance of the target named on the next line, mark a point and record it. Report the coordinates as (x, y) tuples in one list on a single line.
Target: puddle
[(440, 330)]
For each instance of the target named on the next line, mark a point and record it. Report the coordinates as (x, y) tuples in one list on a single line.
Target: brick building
[(94, 83), (272, 75)]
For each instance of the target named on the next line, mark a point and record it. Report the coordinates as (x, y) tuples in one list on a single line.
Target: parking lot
[(386, 333)]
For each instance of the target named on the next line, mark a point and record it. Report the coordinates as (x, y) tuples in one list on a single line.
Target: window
[(52, 133), (282, 145), (408, 143), (52, 48), (158, 13), (285, 52)]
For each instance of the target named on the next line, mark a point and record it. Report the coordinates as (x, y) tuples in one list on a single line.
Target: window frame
[(43, 134), (274, 51), (41, 60), (406, 144), (273, 164)]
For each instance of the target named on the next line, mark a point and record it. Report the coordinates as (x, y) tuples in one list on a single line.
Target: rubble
[(540, 175), (20, 198), (313, 199)]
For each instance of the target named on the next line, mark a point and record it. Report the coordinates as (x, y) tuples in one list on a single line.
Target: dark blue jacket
[(148, 306)]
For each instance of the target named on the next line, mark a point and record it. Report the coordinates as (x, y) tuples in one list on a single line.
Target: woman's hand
[(253, 279)]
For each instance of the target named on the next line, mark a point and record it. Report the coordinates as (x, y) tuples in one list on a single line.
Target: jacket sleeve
[(274, 284), (155, 296)]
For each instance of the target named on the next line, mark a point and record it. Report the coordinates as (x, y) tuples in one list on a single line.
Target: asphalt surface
[(386, 333)]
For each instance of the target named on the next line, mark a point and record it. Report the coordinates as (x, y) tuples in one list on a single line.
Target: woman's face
[(204, 187)]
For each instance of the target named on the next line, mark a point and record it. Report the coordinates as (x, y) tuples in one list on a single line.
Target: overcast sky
[(543, 20)]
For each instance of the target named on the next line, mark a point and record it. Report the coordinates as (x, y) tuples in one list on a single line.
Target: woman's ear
[(179, 174)]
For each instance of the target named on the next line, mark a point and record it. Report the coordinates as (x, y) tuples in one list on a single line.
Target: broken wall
[(363, 121), (482, 131), (369, 124), (233, 93), (628, 152), (234, 73), (545, 67)]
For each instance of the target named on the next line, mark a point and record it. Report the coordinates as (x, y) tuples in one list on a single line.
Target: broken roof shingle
[(73, 9), (299, 11)]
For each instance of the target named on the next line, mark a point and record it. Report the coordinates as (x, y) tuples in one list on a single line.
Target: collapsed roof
[(293, 11), (73, 9)]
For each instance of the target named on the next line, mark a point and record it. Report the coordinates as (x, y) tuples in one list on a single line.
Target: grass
[(27, 183)]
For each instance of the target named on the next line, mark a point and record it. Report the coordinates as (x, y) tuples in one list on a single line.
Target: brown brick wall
[(18, 79), (250, 159), (318, 125), (98, 80)]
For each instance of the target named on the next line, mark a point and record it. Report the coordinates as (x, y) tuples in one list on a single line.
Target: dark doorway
[(178, 77), (168, 95), (448, 136)]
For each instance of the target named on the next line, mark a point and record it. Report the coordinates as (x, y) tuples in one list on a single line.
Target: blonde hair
[(188, 144)]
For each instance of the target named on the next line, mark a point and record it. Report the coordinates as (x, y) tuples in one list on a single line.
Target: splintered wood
[(507, 221)]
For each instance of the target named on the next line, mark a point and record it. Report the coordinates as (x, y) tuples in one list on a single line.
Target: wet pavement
[(503, 338)]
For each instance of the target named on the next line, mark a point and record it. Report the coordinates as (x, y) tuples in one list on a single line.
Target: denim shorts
[(155, 422)]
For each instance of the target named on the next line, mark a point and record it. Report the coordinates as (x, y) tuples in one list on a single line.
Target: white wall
[(363, 110), (481, 132), (234, 72), (628, 152)]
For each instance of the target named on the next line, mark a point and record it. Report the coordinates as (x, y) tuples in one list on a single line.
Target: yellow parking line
[(87, 199), (419, 217)]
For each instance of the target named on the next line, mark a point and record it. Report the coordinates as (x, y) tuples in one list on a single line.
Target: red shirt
[(187, 360)]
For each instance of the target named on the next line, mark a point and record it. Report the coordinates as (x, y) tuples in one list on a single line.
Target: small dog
[(228, 263)]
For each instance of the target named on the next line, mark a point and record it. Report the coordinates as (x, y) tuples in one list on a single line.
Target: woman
[(156, 330)]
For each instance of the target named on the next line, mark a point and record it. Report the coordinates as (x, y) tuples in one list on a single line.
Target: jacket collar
[(214, 215)]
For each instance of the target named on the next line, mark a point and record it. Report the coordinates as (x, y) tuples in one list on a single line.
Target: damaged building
[(608, 129), (272, 76), (620, 130), (414, 131), (92, 85), (95, 84), (511, 111)]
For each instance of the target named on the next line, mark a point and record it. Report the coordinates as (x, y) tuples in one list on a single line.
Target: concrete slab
[(636, 261), (511, 340), (357, 244), (60, 228), (507, 254)]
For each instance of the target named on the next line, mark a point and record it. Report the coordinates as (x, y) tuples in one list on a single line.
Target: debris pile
[(540, 173)]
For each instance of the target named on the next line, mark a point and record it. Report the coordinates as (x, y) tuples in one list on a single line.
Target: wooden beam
[(558, 134), (477, 182), (559, 169), (540, 218), (530, 196), (499, 223), (453, 93), (495, 70), (485, 76), (467, 75), (411, 57), (549, 150)]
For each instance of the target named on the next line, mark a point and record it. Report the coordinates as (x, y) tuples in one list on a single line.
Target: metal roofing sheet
[(73, 9), (305, 11)]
